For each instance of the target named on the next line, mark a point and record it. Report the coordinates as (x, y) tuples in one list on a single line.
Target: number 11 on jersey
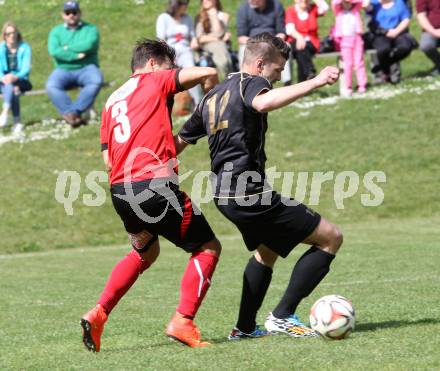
[(216, 123)]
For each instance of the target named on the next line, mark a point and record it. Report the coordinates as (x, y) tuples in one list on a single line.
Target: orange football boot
[(184, 330), (93, 325)]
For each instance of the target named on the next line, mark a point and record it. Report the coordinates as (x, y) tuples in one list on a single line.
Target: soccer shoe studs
[(259, 332), (291, 326), (92, 324)]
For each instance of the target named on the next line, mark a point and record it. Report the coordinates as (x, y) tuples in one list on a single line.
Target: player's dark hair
[(173, 5), (146, 49), (266, 46)]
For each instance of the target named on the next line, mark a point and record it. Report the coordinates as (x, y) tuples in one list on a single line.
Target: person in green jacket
[(15, 66), (74, 48)]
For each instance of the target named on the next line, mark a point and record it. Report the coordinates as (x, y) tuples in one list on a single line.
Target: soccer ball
[(332, 317)]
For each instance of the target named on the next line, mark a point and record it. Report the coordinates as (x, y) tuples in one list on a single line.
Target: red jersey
[(136, 128), (307, 28)]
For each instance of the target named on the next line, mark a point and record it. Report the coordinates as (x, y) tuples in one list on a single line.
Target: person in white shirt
[(176, 28)]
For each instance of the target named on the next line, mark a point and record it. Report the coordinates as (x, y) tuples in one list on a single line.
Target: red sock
[(123, 276), (195, 282)]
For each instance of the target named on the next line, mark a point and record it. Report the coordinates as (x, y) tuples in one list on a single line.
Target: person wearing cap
[(73, 46)]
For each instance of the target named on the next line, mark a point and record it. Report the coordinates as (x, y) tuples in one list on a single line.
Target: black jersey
[(236, 134)]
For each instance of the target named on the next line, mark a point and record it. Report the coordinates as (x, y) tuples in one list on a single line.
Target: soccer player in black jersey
[(234, 117)]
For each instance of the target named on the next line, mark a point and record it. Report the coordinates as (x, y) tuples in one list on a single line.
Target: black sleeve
[(179, 87), (253, 87), (193, 129)]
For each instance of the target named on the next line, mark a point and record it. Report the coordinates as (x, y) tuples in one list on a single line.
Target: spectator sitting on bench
[(212, 34), (348, 33), (302, 33), (258, 16), (74, 48), (392, 41), (15, 65)]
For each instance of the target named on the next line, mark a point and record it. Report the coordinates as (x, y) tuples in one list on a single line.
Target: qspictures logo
[(304, 187)]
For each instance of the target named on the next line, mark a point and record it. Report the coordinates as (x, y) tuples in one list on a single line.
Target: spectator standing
[(74, 46), (212, 34), (428, 16), (302, 33), (393, 43), (15, 66), (348, 33), (257, 16), (176, 28)]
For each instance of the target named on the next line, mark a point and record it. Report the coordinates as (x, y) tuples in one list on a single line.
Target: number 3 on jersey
[(122, 130)]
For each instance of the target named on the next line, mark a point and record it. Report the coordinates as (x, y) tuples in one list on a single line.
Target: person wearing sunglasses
[(15, 66), (74, 46)]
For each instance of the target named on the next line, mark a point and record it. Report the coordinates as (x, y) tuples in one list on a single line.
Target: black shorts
[(270, 221), (161, 210)]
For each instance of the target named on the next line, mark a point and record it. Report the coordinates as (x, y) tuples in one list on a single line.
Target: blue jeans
[(9, 97), (88, 78)]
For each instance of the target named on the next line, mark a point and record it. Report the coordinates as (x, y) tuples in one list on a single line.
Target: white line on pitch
[(81, 250), (390, 280)]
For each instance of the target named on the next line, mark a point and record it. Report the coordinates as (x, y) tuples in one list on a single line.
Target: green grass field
[(392, 278), (53, 266)]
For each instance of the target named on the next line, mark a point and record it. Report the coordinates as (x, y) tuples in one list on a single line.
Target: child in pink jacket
[(348, 34)]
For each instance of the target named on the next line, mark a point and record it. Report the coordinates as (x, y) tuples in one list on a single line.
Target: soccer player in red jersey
[(139, 152)]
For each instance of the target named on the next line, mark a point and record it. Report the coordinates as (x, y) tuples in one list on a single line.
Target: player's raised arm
[(191, 76), (280, 97)]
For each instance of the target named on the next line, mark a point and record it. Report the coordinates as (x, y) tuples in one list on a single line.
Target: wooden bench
[(91, 111)]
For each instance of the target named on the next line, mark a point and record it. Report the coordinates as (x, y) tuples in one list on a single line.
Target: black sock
[(310, 269), (256, 280)]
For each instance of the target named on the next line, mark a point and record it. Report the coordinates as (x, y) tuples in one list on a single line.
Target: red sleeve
[(422, 6), (314, 12), (104, 131), (168, 80), (290, 15)]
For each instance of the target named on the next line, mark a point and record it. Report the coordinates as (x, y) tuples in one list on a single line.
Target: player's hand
[(209, 83), (81, 55), (300, 43), (107, 162), (328, 76)]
